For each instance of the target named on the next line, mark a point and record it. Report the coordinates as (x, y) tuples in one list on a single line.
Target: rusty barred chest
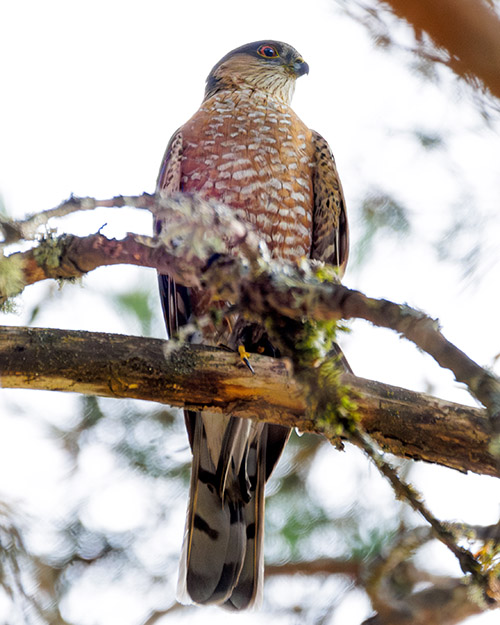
[(254, 154)]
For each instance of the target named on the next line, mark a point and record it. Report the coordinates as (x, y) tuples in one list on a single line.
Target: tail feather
[(217, 546), (232, 451), (248, 591), (222, 559)]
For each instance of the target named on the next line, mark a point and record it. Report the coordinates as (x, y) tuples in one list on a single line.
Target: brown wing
[(175, 298), (169, 176), (330, 241)]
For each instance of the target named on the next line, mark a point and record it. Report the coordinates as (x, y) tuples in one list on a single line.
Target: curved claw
[(244, 355)]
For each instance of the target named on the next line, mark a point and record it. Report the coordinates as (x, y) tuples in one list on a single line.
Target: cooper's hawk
[(246, 148)]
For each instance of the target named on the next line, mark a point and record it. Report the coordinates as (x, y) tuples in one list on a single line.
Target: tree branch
[(392, 578), (69, 256), (445, 604), (405, 423), (197, 232), (468, 29), (321, 566), (27, 229)]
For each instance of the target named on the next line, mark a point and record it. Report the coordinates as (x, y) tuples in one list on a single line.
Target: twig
[(27, 229), (407, 492), (321, 566)]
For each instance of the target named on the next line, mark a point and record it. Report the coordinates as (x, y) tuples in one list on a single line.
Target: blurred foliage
[(137, 304), (292, 515), (140, 438), (380, 215), (369, 542), (414, 47), (390, 34), (149, 444), (26, 581), (146, 443), (462, 243), (429, 141)]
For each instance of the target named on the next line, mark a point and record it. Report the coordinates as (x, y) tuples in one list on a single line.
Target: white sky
[(92, 91)]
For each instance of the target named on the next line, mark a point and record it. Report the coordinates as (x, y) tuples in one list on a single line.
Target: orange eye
[(268, 51)]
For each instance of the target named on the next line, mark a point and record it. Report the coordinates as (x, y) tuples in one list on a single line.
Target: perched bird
[(246, 148)]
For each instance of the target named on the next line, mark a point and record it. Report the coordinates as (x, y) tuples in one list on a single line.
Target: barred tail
[(222, 556)]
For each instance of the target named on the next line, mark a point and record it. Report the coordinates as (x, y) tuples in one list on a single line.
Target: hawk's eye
[(269, 52)]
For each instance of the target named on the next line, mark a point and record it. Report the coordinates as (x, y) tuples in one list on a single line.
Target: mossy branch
[(257, 285)]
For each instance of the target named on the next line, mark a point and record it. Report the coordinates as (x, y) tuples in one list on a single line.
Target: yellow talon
[(243, 352), (244, 355)]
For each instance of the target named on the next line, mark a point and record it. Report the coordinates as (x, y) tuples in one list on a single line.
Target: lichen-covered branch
[(405, 423), (198, 246), (182, 252), (69, 256)]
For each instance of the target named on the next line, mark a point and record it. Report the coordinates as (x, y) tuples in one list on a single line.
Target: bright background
[(91, 93)]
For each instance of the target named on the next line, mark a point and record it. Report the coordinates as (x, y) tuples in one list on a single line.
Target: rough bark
[(405, 423)]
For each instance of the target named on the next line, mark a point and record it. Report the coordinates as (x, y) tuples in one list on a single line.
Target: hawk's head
[(270, 66)]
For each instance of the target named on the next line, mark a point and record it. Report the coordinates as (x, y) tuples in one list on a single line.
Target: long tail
[(222, 556)]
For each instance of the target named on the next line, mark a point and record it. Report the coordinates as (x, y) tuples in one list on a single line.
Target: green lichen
[(314, 341), (494, 446), (485, 585), (49, 251), (311, 346), (8, 306), (11, 275), (489, 557), (70, 279), (318, 368), (332, 404), (327, 273)]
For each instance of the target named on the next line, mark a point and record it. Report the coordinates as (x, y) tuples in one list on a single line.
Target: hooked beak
[(300, 67)]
